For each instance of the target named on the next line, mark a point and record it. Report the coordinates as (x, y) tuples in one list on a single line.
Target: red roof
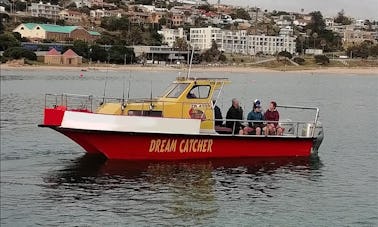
[(70, 53), (53, 52)]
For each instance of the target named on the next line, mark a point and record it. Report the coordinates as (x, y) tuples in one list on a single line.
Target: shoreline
[(228, 69)]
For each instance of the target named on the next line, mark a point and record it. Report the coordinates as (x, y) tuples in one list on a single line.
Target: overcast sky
[(360, 9)]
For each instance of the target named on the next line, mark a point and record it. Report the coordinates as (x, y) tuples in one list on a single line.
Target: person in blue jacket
[(255, 115)]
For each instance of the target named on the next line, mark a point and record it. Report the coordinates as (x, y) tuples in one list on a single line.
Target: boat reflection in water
[(173, 190)]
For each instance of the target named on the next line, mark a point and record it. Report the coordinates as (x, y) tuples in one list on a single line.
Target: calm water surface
[(48, 180)]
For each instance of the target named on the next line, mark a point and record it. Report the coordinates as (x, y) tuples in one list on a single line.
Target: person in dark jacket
[(217, 115), (235, 113)]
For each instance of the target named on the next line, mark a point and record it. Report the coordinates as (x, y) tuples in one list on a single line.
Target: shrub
[(19, 52), (299, 61), (321, 59), (285, 54)]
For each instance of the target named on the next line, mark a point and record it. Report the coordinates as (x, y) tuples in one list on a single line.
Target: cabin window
[(37, 28), (199, 92), (22, 28), (177, 91)]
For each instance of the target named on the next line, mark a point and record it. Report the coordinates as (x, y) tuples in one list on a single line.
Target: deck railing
[(90, 103)]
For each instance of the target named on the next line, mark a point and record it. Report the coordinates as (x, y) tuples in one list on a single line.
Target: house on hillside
[(39, 32)]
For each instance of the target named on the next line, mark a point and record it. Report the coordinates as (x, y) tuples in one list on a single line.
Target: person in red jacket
[(272, 128)]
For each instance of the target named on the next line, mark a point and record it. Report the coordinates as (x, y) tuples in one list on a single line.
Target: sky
[(359, 9)]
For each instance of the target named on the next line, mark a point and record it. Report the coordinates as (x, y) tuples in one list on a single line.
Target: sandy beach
[(196, 68)]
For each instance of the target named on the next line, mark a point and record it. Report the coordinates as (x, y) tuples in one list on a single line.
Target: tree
[(342, 19), (317, 23), (240, 13), (19, 52), (321, 59), (81, 48), (213, 54), (180, 44), (120, 54), (285, 54), (363, 50), (8, 40), (98, 53)]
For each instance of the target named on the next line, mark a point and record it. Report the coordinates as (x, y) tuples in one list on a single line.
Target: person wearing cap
[(273, 115), (255, 115)]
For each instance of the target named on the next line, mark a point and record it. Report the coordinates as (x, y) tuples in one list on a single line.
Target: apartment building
[(71, 17), (170, 35), (270, 44), (45, 10), (201, 38), (239, 42), (234, 41)]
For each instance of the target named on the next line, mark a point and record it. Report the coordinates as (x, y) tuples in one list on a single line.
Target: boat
[(177, 125)]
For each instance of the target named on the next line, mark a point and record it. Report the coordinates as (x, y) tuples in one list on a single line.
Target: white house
[(45, 10), (170, 35), (201, 38)]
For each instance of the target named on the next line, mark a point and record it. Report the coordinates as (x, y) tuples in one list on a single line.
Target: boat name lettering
[(184, 146)]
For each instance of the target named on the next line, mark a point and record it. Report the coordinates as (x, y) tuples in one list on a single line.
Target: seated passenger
[(255, 115), (217, 115), (272, 114), (191, 95), (235, 113)]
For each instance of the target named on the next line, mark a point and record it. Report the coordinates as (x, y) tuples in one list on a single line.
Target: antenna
[(128, 90), (190, 65), (106, 81), (123, 95), (151, 105)]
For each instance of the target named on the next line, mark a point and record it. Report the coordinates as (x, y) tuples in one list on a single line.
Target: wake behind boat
[(179, 124)]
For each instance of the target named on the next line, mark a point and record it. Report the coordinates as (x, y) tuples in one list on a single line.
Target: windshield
[(177, 91), (168, 89)]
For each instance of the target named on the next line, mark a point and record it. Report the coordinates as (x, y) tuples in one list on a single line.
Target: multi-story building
[(201, 38), (240, 42), (45, 10), (70, 17), (234, 41), (270, 44), (170, 35), (100, 13)]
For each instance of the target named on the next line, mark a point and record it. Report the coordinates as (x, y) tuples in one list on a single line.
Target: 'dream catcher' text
[(182, 146)]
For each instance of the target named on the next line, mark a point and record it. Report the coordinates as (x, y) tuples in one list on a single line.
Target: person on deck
[(235, 113), (273, 115), (217, 115), (255, 115)]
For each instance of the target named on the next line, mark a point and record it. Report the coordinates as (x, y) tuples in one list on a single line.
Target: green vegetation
[(321, 59), (8, 40), (213, 54), (363, 50), (285, 54), (299, 60), (18, 53)]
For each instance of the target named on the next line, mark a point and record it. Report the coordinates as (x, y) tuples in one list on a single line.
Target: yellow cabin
[(184, 98)]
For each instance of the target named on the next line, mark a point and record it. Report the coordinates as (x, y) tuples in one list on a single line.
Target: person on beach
[(255, 115), (272, 128), (235, 113)]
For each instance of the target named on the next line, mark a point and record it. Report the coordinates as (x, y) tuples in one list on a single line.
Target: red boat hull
[(155, 146)]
